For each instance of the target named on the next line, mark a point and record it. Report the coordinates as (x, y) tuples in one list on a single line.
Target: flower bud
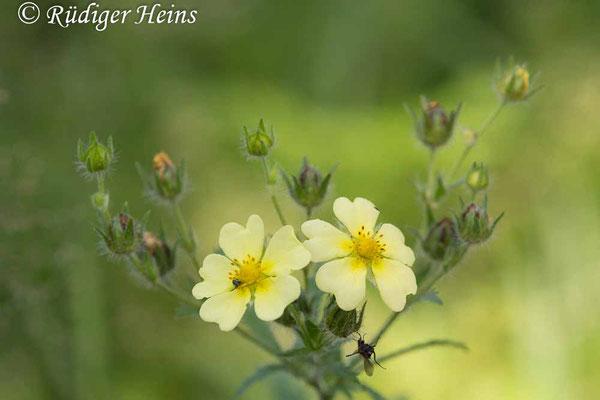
[(167, 181), (258, 143), (123, 235), (474, 224), (168, 178), (477, 177), (308, 188), (100, 201), (95, 157), (343, 323), (514, 83), (160, 252), (470, 136), (441, 240), (435, 126)]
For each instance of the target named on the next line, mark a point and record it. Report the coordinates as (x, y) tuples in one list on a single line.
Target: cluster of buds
[(473, 223), (123, 235), (441, 240), (514, 83), (435, 126), (343, 323), (167, 181), (308, 188), (259, 143), (477, 177), (160, 252), (95, 158)]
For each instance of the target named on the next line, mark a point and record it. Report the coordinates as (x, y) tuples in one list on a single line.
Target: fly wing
[(368, 366)]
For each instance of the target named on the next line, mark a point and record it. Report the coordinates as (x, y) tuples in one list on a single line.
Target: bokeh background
[(332, 78)]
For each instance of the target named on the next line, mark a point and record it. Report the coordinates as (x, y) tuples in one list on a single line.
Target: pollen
[(368, 248), (248, 273)]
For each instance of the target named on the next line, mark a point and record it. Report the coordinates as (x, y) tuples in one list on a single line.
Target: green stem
[(430, 175), (430, 280), (486, 124), (419, 346), (273, 198), (188, 240), (298, 318)]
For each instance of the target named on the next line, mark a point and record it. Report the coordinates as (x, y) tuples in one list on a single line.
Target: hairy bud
[(308, 188), (259, 143), (435, 126), (514, 83), (167, 181), (470, 136), (474, 224), (95, 157), (160, 252), (123, 235), (100, 201), (442, 240), (477, 177), (343, 323)]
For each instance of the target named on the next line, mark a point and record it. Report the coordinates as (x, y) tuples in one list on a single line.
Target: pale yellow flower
[(231, 281), (355, 251)]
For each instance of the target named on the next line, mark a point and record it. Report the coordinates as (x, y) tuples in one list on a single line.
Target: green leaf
[(80, 151), (257, 376), (433, 297), (302, 351), (440, 189)]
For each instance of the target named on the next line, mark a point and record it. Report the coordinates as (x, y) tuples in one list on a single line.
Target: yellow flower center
[(248, 273), (367, 247)]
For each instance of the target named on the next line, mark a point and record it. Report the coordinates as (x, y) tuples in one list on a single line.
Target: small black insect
[(236, 283), (366, 350)]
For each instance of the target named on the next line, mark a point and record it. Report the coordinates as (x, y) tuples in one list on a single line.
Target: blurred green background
[(331, 77)]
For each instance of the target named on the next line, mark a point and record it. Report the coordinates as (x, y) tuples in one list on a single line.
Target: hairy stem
[(486, 124), (419, 346), (184, 232), (273, 197)]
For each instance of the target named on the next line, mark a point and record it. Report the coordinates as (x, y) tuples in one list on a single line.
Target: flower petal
[(215, 271), (393, 239), (325, 241), (273, 295), (356, 215), (395, 281), (345, 278), (238, 242), (226, 309), (284, 253)]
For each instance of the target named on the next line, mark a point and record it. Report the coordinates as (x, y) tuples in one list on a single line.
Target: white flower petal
[(395, 281), (226, 309), (356, 214), (215, 271), (395, 248), (284, 253), (238, 242), (273, 295), (325, 241), (345, 278)]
